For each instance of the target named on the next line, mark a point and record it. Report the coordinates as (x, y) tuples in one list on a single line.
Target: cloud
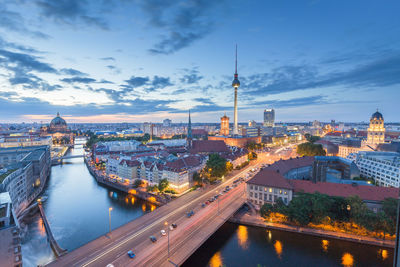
[(20, 67), (191, 77), (205, 101), (107, 58), (24, 61), (106, 81), (32, 81), (8, 94), (182, 22), (73, 72), (137, 81), (137, 106), (161, 82), (78, 80), (375, 73), (114, 69), (22, 48), (294, 102), (69, 12), (13, 21)]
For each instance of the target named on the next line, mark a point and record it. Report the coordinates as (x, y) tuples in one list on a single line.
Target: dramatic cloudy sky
[(133, 60)]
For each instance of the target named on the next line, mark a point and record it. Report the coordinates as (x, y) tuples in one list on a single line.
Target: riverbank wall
[(257, 221), (101, 179)]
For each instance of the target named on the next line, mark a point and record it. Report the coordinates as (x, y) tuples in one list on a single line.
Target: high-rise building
[(269, 117), (224, 125), (235, 84), (167, 123), (376, 130)]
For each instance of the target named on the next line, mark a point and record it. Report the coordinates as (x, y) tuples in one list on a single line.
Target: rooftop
[(285, 166), (369, 193), (209, 146), (268, 177), (4, 176)]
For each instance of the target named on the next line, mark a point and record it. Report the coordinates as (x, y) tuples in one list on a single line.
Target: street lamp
[(109, 217), (166, 224)]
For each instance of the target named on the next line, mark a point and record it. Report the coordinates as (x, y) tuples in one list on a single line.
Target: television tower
[(235, 84)]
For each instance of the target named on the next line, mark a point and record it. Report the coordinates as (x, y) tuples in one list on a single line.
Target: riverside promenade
[(102, 179), (258, 221)]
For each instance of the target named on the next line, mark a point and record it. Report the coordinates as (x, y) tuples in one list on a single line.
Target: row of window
[(270, 189)]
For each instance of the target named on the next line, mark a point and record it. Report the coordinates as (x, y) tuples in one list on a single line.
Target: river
[(77, 210), (238, 245)]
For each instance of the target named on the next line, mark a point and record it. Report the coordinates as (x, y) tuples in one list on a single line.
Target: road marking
[(159, 221)]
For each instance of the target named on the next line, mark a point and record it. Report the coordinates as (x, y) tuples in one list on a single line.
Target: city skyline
[(147, 61)]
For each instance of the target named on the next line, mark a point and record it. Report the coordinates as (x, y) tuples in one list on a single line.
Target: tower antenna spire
[(236, 60)]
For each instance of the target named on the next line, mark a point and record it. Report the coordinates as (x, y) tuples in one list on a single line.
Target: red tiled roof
[(183, 163), (285, 166), (208, 146), (130, 163), (365, 192), (199, 132), (268, 177)]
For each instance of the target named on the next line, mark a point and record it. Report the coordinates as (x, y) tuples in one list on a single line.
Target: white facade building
[(15, 180), (383, 167)]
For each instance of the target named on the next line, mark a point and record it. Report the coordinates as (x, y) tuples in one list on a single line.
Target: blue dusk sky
[(135, 61)]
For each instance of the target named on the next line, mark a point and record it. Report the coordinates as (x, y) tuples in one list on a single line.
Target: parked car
[(203, 205), (163, 232), (153, 238), (130, 254), (174, 225), (171, 228)]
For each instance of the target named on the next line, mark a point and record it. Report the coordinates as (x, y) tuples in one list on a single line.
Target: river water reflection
[(238, 245), (77, 210)]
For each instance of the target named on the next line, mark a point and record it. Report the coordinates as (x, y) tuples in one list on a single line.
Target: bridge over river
[(172, 249), (58, 251)]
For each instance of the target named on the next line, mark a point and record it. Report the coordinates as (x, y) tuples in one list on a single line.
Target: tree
[(216, 165), (300, 209), (197, 178), (138, 183), (163, 184), (312, 138), (229, 166), (153, 188), (252, 155), (321, 206), (266, 210), (389, 207), (310, 149)]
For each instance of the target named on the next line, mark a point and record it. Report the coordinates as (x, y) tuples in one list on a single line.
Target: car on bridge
[(131, 254), (190, 214)]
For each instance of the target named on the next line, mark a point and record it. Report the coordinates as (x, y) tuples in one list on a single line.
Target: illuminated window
[(270, 190), (280, 191)]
